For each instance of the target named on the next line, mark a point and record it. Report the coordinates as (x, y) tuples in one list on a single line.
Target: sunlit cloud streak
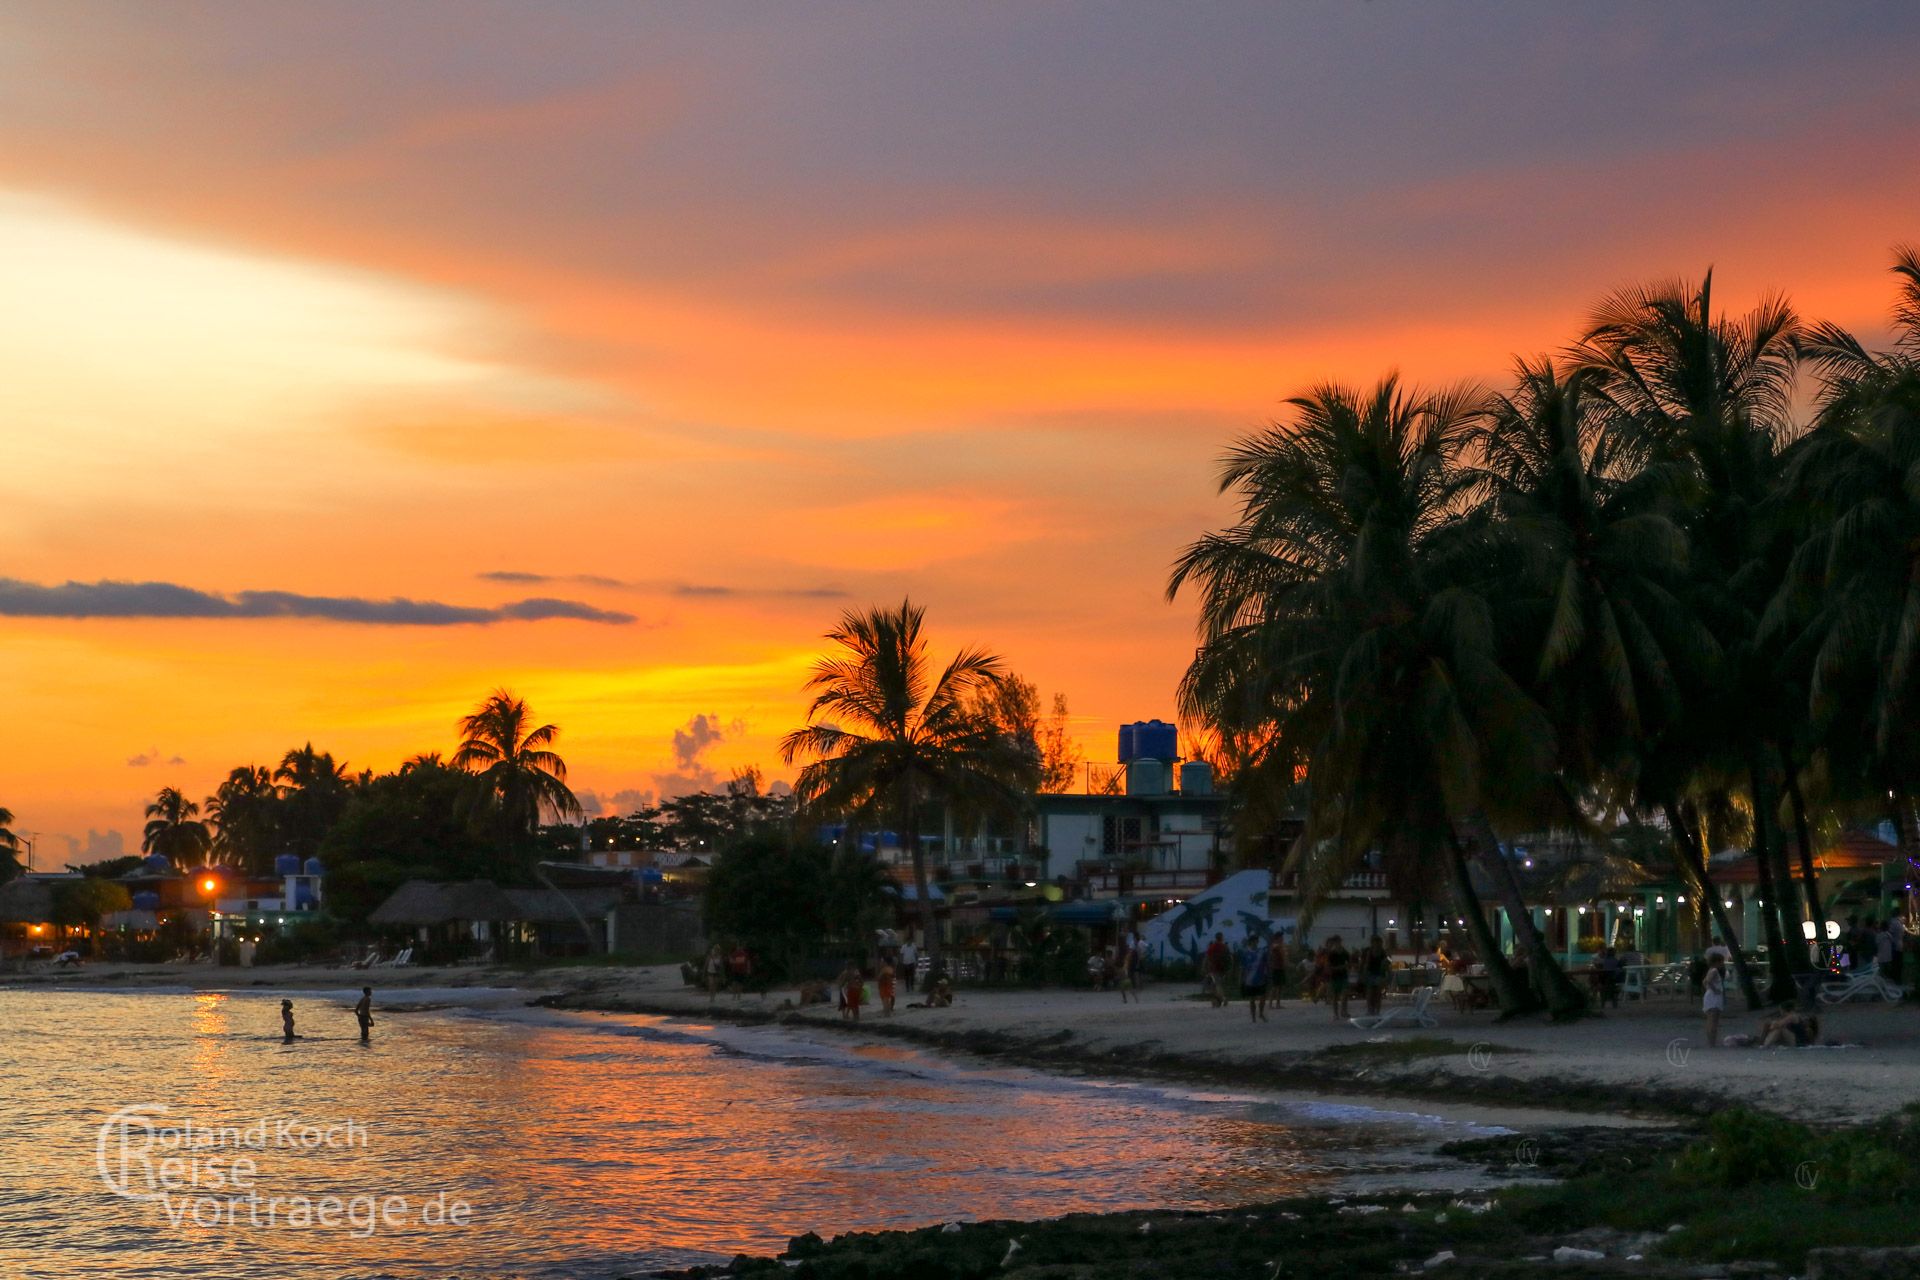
[(108, 599), (696, 590)]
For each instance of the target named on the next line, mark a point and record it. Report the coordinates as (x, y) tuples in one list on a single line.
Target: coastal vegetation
[(889, 735), (9, 847), (1647, 580)]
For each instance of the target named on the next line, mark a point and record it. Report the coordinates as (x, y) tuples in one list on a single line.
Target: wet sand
[(1645, 1058)]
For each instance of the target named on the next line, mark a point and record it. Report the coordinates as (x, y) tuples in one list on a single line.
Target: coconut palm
[(888, 734), (518, 777), (1341, 633), (175, 831), (313, 789), (1856, 472), (244, 813), (1596, 573), (1705, 400), (9, 847)]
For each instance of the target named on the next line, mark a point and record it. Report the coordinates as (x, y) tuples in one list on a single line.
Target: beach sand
[(1645, 1058)]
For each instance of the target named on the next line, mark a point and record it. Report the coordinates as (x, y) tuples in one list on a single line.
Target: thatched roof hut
[(26, 900), (430, 902), (549, 906)]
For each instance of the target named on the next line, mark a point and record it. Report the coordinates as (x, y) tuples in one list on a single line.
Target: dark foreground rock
[(1383, 1236)]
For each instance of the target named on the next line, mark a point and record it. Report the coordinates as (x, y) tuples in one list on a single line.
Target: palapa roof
[(26, 900), (431, 902), (549, 906)]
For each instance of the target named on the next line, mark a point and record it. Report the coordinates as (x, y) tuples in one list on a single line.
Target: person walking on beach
[(1123, 966), (1714, 999), (363, 1013), (286, 1021), (1276, 970), (1254, 977), (909, 957), (886, 987), (1373, 974), (1338, 958), (1217, 959), (851, 983), (716, 970)]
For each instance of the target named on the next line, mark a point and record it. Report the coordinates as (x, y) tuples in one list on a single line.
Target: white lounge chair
[(1865, 983), (401, 958), (1406, 1015)]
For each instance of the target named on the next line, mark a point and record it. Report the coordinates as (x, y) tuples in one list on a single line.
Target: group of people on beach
[(362, 1014)]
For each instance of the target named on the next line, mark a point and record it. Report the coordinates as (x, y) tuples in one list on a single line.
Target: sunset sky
[(393, 353)]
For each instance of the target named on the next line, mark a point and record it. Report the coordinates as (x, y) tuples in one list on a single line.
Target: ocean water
[(172, 1134)]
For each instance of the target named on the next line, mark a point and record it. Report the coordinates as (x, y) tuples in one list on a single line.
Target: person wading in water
[(286, 1021), (363, 1012)]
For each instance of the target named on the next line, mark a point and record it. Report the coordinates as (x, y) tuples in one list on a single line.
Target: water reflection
[(588, 1146)]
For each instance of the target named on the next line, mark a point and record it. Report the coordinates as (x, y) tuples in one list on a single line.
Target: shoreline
[(1644, 1061)]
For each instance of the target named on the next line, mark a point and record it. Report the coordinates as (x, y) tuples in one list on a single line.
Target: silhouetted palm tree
[(244, 814), (1706, 400), (174, 830), (9, 847), (888, 735), (1340, 631), (1858, 573), (1596, 594), (313, 788), (518, 778)]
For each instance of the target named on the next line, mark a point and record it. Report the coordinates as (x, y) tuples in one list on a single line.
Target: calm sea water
[(482, 1138)]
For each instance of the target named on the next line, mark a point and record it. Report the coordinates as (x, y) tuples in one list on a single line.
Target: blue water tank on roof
[(146, 901), (1149, 740), (314, 867), (156, 864), (287, 864)]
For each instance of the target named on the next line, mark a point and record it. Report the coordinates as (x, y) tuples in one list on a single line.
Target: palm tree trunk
[(1907, 838), (1515, 996), (1690, 857), (1772, 918), (1802, 836), (910, 832), (1564, 999), (1792, 902)]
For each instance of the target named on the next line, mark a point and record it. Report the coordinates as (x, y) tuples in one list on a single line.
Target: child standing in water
[(286, 1021)]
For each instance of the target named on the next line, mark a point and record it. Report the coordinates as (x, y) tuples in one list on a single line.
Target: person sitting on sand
[(1791, 1029), (286, 1021), (942, 994)]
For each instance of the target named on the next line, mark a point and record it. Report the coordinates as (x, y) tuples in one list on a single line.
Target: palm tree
[(1705, 400), (1861, 562), (313, 788), (174, 830), (517, 777), (244, 814), (9, 847), (887, 735), (1341, 632), (1597, 592)]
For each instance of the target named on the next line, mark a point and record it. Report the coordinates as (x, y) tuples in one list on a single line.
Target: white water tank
[(1196, 778), (1146, 777)]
